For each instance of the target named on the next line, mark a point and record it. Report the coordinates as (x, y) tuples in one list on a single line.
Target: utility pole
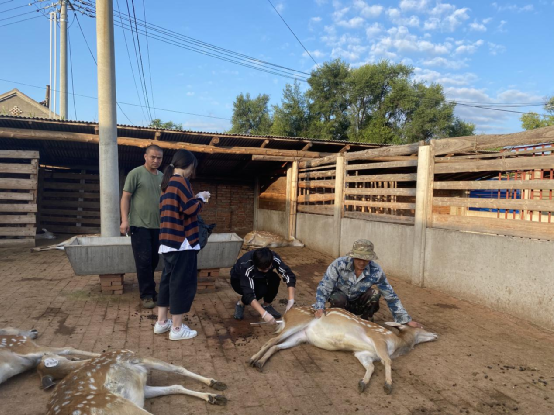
[(107, 120), (63, 61)]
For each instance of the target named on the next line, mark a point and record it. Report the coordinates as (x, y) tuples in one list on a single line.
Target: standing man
[(140, 217), (347, 285)]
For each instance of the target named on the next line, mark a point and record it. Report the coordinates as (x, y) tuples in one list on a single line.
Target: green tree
[(251, 115), (168, 125), (292, 117), (530, 121), (328, 101), (460, 128)]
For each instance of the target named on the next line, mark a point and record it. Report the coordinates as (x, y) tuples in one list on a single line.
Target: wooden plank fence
[(18, 197)]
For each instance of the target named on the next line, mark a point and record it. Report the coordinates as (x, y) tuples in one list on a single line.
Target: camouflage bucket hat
[(363, 249)]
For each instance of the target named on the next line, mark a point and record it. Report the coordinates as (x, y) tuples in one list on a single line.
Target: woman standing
[(179, 245)]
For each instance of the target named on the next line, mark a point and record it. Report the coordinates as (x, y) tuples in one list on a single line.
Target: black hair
[(182, 159), (262, 258), (153, 147)]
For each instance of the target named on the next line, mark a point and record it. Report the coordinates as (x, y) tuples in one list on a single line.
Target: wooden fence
[(69, 200), (18, 198)]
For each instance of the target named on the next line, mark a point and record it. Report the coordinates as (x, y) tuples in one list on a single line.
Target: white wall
[(273, 221), (315, 231), (508, 274), (393, 243)]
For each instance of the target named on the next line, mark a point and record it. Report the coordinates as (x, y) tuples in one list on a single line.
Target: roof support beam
[(265, 143), (308, 145), (27, 134), (214, 141)]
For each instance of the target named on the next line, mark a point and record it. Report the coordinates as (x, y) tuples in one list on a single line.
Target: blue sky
[(480, 51)]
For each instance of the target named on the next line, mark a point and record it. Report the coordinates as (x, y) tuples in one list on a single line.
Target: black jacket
[(245, 270)]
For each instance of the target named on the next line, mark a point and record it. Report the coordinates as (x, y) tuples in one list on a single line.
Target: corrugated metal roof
[(69, 153)]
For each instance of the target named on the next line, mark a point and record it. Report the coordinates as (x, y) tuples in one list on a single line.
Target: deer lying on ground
[(19, 353), (342, 330), (257, 239), (114, 383)]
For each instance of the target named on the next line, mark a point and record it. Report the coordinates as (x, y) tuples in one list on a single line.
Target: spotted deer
[(113, 384), (19, 353), (342, 330)]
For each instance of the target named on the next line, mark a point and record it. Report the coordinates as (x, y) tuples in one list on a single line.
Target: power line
[(19, 7), (4, 2), (131, 65), (71, 69), (148, 55), (19, 21), (291, 31), (84, 37), (119, 102)]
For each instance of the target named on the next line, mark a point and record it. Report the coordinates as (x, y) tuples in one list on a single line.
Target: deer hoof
[(252, 362), (259, 365), (218, 385), (218, 400), (361, 386), (33, 334), (388, 388)]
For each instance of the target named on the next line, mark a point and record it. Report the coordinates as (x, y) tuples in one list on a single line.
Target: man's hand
[(204, 196), (289, 305), (414, 324), (319, 313), (124, 227), (268, 318)]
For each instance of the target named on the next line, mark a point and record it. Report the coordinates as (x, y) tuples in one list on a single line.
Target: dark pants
[(263, 288), (358, 307), (179, 280), (145, 243)]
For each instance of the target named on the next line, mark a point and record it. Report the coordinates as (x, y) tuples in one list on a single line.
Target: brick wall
[(273, 193), (231, 205)]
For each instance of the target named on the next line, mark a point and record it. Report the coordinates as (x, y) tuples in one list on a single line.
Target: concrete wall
[(508, 274), (393, 243), (273, 221), (315, 231), (29, 110)]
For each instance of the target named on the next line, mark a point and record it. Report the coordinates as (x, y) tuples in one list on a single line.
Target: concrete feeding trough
[(114, 255)]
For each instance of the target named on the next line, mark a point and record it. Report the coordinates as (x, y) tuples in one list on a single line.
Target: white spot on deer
[(90, 397), (92, 387), (77, 412)]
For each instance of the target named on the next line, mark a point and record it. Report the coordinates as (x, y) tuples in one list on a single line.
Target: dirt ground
[(483, 362)]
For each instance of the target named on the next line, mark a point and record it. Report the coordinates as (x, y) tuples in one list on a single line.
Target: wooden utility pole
[(107, 121), (338, 206)]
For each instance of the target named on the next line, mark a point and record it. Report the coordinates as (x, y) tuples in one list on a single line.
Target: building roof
[(35, 104), (57, 152)]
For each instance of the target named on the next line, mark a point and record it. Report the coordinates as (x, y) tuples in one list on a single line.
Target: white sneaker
[(162, 328), (184, 333)]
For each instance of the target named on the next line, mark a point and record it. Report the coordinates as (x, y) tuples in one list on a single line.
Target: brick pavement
[(484, 361)]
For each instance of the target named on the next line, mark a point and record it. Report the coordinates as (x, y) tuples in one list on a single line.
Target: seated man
[(347, 284), (254, 277)]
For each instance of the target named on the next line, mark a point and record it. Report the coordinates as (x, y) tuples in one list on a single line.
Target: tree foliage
[(530, 121), (377, 103), (251, 115), (168, 125)]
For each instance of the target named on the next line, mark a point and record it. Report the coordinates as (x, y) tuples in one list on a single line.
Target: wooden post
[(287, 202), (338, 207), (256, 201), (293, 200), (423, 212)]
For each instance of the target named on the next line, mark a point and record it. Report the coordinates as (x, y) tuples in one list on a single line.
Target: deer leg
[(155, 364), (383, 353), (290, 342), (68, 351), (366, 358), (155, 391), (273, 341)]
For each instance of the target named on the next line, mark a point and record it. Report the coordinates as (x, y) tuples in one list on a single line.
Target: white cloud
[(513, 8), (316, 19), (368, 11), (351, 53), (516, 96), (417, 5), (320, 2), (469, 48), (353, 23), (448, 23), (402, 41), (439, 61), (316, 54), (190, 93), (430, 76), (280, 7), (339, 14), (495, 49), (500, 27), (477, 27), (374, 30), (442, 8), (487, 20)]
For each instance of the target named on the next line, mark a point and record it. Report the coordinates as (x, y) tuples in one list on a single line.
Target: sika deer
[(114, 383), (342, 330), (19, 353)]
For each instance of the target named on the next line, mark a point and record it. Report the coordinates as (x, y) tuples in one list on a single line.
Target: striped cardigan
[(179, 211)]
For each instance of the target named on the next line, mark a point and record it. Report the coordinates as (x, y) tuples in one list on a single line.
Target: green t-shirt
[(145, 188)]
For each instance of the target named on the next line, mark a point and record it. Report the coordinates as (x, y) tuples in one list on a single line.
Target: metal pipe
[(55, 89), (107, 120), (50, 68)]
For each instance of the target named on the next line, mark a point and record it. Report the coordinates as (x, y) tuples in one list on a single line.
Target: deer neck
[(405, 341)]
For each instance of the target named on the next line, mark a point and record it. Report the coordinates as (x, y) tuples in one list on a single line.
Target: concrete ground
[(484, 361)]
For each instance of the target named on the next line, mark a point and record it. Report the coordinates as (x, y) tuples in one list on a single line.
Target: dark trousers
[(358, 307), (145, 243), (263, 288), (179, 280)]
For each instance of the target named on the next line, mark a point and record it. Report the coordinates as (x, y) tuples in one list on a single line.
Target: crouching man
[(254, 277), (347, 285)]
